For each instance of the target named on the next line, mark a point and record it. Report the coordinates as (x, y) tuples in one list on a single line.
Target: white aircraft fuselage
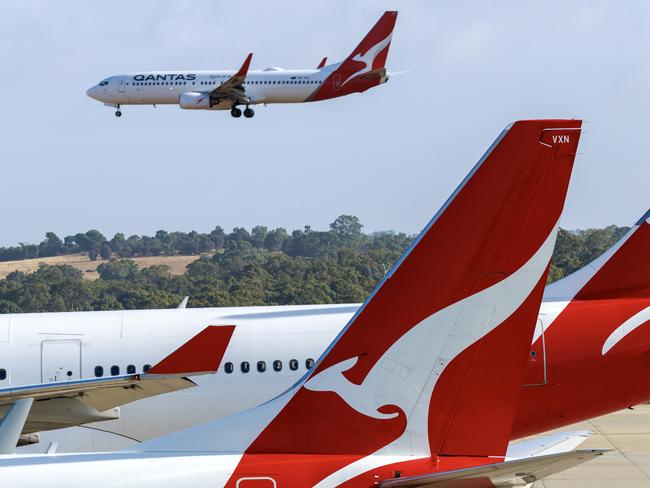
[(271, 348)]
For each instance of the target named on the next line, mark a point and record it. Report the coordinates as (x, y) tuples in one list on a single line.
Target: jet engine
[(194, 101)]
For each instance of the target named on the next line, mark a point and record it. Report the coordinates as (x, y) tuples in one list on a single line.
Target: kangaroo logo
[(368, 58), (355, 396)]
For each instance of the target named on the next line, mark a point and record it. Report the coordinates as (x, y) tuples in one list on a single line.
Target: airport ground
[(627, 434)]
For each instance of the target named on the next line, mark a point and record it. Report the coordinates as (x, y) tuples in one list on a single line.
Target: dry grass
[(81, 262)]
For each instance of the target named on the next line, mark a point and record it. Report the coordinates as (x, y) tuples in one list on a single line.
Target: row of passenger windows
[(277, 365), (228, 367), (214, 83), (115, 370)]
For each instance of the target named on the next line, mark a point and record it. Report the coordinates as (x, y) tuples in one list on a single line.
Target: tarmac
[(627, 434)]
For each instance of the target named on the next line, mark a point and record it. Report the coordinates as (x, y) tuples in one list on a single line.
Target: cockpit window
[(103, 83)]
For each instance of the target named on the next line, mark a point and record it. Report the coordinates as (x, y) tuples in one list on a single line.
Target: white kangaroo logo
[(355, 396), (368, 58)]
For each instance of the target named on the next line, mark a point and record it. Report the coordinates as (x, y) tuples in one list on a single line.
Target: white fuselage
[(273, 85), (47, 347)]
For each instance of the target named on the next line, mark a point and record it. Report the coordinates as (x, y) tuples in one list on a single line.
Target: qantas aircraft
[(421, 386), (267, 349), (363, 69)]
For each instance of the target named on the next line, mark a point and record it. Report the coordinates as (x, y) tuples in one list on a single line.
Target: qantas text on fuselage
[(363, 69)]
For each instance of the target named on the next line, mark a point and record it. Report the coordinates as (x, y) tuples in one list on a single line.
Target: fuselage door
[(60, 360), (536, 373), (121, 84), (336, 81)]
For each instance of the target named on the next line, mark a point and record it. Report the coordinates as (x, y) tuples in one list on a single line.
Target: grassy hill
[(82, 262)]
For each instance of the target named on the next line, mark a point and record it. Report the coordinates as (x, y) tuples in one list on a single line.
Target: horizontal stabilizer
[(510, 473), (548, 444)]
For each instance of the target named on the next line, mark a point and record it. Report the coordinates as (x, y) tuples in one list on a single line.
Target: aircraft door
[(60, 360), (256, 482), (536, 373), (336, 82), (121, 84)]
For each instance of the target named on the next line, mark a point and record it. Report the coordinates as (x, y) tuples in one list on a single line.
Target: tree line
[(260, 267)]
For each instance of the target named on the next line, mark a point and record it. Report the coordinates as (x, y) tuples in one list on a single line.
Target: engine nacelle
[(194, 101)]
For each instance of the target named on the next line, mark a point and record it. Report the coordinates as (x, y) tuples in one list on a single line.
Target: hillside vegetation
[(260, 267)]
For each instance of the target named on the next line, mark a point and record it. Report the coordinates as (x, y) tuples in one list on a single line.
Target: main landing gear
[(237, 112), (118, 113)]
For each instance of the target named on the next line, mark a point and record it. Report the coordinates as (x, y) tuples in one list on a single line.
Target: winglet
[(202, 353), (322, 63), (243, 71)]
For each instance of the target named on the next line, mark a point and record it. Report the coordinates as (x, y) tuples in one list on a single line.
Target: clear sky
[(390, 156)]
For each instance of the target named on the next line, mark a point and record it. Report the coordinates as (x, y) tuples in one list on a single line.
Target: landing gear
[(249, 113), (235, 112), (118, 113)]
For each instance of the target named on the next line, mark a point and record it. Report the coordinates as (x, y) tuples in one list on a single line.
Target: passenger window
[(261, 366), (115, 370), (130, 369), (228, 367), (309, 363), (277, 365), (245, 367), (146, 368), (293, 364), (3, 374), (99, 371)]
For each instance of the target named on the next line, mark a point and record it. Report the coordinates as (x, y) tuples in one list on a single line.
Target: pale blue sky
[(390, 156)]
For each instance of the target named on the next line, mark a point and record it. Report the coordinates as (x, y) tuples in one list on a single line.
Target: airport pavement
[(627, 434)]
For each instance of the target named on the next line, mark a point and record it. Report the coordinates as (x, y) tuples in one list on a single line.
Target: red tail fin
[(623, 271), (432, 363), (365, 66)]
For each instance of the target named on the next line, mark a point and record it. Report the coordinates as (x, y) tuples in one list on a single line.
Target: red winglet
[(201, 354), (322, 63), (243, 71)]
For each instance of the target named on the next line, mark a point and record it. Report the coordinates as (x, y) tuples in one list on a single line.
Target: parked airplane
[(568, 379), (421, 385), (363, 69)]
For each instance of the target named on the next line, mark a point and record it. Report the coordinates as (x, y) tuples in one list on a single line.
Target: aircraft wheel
[(118, 114), (235, 112), (249, 113)]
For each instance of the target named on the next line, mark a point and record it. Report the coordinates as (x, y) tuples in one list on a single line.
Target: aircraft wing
[(100, 393), (68, 403), (519, 472), (233, 87)]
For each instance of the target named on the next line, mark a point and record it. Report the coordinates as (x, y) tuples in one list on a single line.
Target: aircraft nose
[(93, 92)]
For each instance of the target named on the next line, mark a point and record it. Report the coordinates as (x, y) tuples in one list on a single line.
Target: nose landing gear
[(118, 112)]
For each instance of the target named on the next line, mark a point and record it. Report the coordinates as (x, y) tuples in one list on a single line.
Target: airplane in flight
[(267, 349), (363, 69), (421, 386)]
